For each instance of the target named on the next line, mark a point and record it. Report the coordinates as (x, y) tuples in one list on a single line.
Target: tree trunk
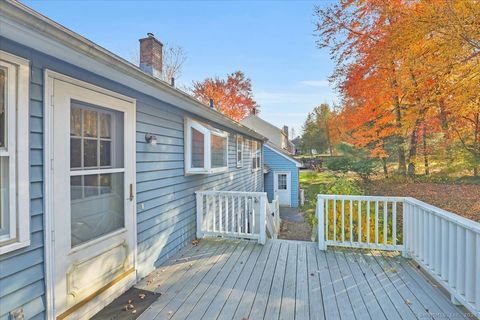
[(425, 154), (385, 168), (402, 163), (412, 154), (446, 132)]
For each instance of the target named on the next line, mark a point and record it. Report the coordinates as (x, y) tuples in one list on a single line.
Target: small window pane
[(76, 188), (3, 107), (75, 122), (75, 153), (105, 183), (90, 123), (4, 196), (100, 215), (198, 152), (91, 186), (105, 125), (219, 147), (105, 153), (90, 153), (282, 182)]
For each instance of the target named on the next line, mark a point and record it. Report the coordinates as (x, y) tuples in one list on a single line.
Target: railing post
[(263, 216), (199, 196), (321, 223), (406, 216)]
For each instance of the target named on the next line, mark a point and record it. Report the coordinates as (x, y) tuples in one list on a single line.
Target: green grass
[(314, 183)]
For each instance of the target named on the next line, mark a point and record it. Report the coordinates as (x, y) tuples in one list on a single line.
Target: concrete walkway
[(291, 214)]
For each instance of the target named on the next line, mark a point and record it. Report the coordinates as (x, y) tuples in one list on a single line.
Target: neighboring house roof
[(253, 119), (284, 154), (28, 27)]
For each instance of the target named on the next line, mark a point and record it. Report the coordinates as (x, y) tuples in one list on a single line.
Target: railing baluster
[(343, 220), (444, 250), (360, 221), (460, 257), (385, 220), (477, 274), (214, 212), (470, 266), (368, 222), (452, 249), (334, 219), (326, 219), (351, 220), (245, 216), (376, 222), (431, 240), (253, 212), (227, 215), (438, 242), (394, 222)]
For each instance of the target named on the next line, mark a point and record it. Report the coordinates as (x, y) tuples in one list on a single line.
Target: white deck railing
[(446, 245), (273, 218), (235, 214)]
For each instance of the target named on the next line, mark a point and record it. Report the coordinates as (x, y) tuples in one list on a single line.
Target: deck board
[(235, 279)]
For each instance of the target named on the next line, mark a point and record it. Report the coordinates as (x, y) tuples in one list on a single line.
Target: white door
[(282, 187), (93, 208)]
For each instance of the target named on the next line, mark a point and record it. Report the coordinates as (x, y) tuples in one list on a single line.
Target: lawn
[(460, 196)]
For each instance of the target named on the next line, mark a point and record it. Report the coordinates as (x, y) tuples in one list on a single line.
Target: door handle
[(131, 196)]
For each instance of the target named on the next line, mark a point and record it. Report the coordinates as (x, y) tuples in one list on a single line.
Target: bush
[(342, 164), (364, 167)]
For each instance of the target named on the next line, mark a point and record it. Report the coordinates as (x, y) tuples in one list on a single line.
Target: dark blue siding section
[(165, 196), (278, 163)]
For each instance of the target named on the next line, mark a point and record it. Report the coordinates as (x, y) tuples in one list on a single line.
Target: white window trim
[(18, 140), (256, 153), (207, 131), (239, 149)]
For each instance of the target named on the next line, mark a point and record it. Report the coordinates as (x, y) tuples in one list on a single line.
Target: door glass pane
[(105, 153), (4, 195), (3, 93), (90, 123), (282, 182), (105, 125), (76, 189), (198, 152), (76, 122), (75, 153), (90, 153), (219, 148), (96, 216)]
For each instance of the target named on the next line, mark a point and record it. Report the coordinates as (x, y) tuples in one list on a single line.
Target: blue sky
[(271, 41)]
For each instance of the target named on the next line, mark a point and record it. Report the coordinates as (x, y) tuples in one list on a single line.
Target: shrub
[(342, 164)]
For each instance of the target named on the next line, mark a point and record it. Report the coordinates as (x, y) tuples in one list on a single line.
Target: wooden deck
[(227, 279)]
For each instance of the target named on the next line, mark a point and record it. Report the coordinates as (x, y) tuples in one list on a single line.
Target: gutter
[(14, 15)]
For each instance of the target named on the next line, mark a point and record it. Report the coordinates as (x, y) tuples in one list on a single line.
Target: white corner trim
[(297, 164)]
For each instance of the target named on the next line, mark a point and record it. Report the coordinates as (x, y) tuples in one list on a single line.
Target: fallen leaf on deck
[(408, 302)]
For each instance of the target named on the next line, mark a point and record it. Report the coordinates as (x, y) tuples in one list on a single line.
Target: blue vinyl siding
[(165, 196), (278, 163), (22, 271)]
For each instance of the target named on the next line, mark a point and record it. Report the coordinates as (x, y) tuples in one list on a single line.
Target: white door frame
[(49, 77), (289, 184)]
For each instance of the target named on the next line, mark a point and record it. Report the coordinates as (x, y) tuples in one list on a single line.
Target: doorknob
[(131, 196)]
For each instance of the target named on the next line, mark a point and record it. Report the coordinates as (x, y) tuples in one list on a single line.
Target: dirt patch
[(295, 231), (460, 199)]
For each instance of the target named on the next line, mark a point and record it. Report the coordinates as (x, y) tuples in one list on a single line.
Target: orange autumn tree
[(232, 96), (409, 75)]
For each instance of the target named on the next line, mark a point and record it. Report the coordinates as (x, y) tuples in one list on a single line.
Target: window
[(14, 152), (96, 172), (206, 148), (239, 151), (256, 155), (282, 181)]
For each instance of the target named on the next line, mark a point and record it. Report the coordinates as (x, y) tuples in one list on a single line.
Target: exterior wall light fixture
[(151, 138)]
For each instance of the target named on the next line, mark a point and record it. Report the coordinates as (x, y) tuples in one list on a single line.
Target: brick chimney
[(151, 55)]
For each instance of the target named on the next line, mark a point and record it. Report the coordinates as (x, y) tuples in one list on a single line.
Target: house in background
[(281, 169), (100, 163)]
